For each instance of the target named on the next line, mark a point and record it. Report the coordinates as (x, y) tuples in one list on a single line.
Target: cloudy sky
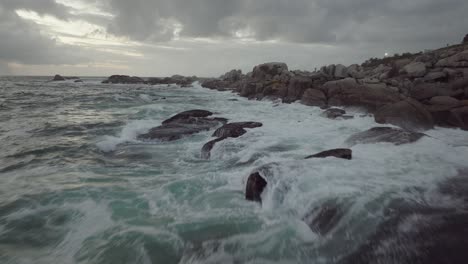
[(209, 37)]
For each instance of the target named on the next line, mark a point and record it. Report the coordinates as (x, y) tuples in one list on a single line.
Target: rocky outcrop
[(334, 113), (337, 153), (124, 79), (231, 130), (408, 114), (183, 81), (58, 78), (384, 134), (397, 89), (183, 124), (254, 187)]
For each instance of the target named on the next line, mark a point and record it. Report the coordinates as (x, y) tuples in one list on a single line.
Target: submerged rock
[(322, 219), (337, 153), (384, 134), (183, 124), (333, 113), (254, 188)]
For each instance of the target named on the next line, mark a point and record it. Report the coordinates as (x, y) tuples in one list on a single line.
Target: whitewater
[(76, 186)]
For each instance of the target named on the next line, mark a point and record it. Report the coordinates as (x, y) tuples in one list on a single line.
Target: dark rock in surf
[(78, 81), (324, 218), (396, 136), (186, 115), (236, 129), (124, 79), (58, 78), (231, 130), (333, 113), (337, 153), (183, 124), (254, 188)]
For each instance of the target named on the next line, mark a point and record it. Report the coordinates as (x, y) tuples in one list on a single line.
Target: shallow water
[(77, 187)]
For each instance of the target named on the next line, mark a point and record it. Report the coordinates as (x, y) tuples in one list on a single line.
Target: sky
[(210, 37)]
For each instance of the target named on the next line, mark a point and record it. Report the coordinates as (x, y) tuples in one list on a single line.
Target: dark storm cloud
[(21, 40), (305, 21)]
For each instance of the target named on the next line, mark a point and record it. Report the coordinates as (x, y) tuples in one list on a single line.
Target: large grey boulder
[(408, 114), (296, 88), (58, 78), (415, 69), (340, 71), (232, 76), (269, 70), (314, 97), (348, 92), (392, 135)]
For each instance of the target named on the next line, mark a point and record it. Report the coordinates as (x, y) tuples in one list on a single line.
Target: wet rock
[(78, 81), (324, 218), (408, 114), (337, 153), (58, 78), (188, 115), (215, 84), (254, 187), (124, 79), (231, 130), (314, 97), (183, 124), (384, 134), (236, 129), (333, 113)]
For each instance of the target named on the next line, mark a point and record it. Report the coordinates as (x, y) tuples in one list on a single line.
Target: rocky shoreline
[(413, 91)]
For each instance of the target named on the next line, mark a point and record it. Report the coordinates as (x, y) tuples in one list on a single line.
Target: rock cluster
[(175, 79), (414, 91)]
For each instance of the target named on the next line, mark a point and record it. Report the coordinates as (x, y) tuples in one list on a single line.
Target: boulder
[(57, 78), (232, 76), (459, 117), (333, 113), (340, 71), (267, 71), (415, 69), (183, 124), (314, 97), (440, 107), (236, 129), (396, 136), (459, 60), (408, 114), (254, 187), (231, 130), (348, 92), (444, 101), (437, 76), (215, 84), (355, 71), (124, 79), (465, 39), (337, 153), (297, 86)]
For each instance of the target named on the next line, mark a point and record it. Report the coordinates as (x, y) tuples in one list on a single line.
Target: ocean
[(76, 186)]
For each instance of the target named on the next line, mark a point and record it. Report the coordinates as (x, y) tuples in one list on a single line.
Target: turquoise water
[(77, 187)]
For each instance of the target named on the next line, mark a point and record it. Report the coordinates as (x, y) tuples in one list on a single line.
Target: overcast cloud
[(208, 37)]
